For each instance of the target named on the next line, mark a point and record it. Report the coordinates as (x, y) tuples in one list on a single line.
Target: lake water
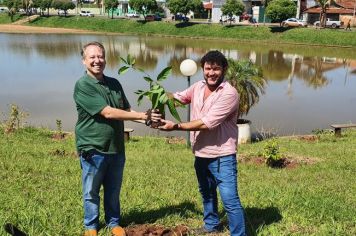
[(308, 87)]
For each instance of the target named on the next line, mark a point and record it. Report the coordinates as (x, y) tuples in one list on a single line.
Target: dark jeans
[(222, 173)]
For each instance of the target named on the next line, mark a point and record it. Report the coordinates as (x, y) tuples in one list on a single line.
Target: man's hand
[(152, 116), (168, 125)]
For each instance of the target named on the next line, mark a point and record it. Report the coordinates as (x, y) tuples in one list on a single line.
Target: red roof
[(330, 10), (338, 7), (208, 5), (346, 3)]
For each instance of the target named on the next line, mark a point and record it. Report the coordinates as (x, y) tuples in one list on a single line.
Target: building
[(341, 10)]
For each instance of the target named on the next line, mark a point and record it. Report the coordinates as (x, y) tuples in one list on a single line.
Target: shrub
[(271, 152), (15, 119)]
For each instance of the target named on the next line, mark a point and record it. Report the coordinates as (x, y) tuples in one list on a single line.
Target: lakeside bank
[(242, 33)]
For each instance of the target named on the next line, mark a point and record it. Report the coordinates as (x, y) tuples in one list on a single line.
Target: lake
[(308, 87)]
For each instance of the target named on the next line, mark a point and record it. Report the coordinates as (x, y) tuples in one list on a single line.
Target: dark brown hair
[(214, 57)]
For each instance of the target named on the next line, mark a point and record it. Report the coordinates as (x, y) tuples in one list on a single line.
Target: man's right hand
[(153, 115)]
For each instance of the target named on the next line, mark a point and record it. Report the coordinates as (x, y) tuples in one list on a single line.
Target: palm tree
[(249, 82), (324, 4)]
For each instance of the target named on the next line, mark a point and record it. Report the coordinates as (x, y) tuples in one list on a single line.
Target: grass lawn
[(246, 33), (41, 189), (5, 19)]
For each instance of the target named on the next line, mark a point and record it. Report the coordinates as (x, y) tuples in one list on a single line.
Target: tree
[(13, 6), (110, 6), (46, 5), (143, 6), (64, 5), (249, 82), (232, 7), (279, 10), (26, 4), (324, 4), (68, 5), (184, 6)]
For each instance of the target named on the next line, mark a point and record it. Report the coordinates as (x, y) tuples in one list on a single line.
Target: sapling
[(156, 93)]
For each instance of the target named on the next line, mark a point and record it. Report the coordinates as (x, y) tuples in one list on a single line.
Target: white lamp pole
[(188, 67)]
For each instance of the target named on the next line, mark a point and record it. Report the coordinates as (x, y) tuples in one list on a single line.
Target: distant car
[(4, 9), (153, 18), (132, 15), (181, 17), (61, 13), (86, 13), (330, 23), (294, 22)]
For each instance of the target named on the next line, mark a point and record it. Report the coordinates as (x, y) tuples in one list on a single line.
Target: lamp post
[(188, 67)]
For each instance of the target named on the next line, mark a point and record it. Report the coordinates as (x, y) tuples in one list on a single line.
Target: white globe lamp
[(188, 68)]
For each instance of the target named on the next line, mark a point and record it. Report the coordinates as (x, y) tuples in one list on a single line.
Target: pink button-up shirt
[(219, 113)]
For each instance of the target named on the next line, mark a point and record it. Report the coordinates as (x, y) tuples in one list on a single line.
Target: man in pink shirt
[(214, 103)]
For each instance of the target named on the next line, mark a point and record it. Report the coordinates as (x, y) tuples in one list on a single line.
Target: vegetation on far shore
[(247, 33), (41, 183)]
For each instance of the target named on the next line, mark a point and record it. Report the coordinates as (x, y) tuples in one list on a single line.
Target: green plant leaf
[(164, 73), (172, 109), (139, 99), (155, 87), (123, 70), (131, 60), (123, 60), (155, 100), (159, 90), (148, 79), (163, 98), (139, 92), (161, 109), (141, 70)]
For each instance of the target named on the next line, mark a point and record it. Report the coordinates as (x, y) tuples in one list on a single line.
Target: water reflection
[(52, 63)]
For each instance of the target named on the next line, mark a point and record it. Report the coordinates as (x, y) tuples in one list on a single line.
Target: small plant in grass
[(156, 93), (322, 131), (271, 153), (15, 120), (59, 132), (59, 126)]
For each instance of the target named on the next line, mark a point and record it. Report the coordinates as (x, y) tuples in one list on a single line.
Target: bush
[(271, 152)]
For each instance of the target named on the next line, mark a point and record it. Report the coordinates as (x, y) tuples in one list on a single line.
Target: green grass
[(41, 189), (264, 34), (5, 19)]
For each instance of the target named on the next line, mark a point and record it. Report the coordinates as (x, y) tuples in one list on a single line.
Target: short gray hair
[(94, 43)]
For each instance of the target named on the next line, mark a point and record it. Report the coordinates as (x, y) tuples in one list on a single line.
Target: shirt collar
[(94, 80)]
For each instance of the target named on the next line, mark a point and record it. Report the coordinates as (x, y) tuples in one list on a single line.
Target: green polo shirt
[(93, 131)]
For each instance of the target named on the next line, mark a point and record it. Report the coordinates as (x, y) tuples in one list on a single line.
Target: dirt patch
[(285, 162), (24, 29), (60, 135), (156, 230), (176, 140), (308, 138), (63, 153)]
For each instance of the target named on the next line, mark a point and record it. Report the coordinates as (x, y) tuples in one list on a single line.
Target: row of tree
[(43, 5), (276, 10)]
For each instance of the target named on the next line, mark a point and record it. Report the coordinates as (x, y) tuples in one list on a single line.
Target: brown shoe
[(118, 231), (90, 232)]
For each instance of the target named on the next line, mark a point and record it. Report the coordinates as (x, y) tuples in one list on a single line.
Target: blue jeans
[(222, 173), (107, 170)]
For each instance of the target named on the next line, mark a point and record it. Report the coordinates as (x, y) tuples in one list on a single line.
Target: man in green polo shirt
[(102, 107)]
